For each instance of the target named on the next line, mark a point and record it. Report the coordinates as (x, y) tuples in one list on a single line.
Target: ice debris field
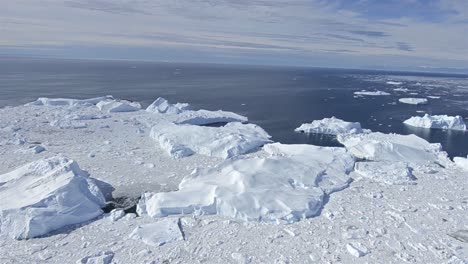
[(102, 180)]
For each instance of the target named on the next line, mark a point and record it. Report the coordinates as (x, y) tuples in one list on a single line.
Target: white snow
[(392, 147), (371, 93), (461, 162), (231, 140), (69, 102), (388, 172), (45, 195), (111, 106), (437, 122), (331, 126), (415, 101), (159, 233), (287, 185)]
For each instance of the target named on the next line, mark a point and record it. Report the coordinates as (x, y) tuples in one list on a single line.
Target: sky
[(416, 34)]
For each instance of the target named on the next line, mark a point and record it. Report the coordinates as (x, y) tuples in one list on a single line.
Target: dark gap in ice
[(128, 204), (217, 124)]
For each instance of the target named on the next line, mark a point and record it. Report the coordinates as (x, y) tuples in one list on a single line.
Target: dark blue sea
[(278, 99)]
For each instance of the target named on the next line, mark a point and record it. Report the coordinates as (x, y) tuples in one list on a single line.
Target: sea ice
[(437, 121), (388, 172), (104, 257), (401, 90), (392, 147), (45, 195), (159, 233), (111, 106), (394, 83), (331, 126), (415, 101), (224, 142), (69, 102), (369, 93), (287, 185), (162, 106), (461, 162)]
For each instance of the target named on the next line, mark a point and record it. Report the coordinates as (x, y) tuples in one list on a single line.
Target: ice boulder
[(288, 184), (392, 147), (437, 121), (414, 101), (371, 93), (231, 140), (162, 106), (45, 195), (111, 106), (461, 162), (331, 126), (388, 172), (44, 101), (159, 233)]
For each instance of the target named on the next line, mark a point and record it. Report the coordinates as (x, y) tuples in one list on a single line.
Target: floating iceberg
[(287, 185), (392, 147), (111, 106), (401, 90), (388, 172), (231, 140), (331, 126), (180, 113), (69, 102), (461, 162), (45, 195), (437, 121), (415, 101), (159, 233), (369, 93)]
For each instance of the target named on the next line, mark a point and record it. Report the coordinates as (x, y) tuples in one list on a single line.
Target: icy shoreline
[(112, 142)]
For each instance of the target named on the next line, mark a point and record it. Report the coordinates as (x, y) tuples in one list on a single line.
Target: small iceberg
[(46, 195), (414, 101), (330, 126), (287, 185), (437, 122), (374, 93)]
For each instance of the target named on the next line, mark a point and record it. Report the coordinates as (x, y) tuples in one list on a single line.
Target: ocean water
[(278, 99)]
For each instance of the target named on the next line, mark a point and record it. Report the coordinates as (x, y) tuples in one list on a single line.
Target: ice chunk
[(415, 101), (433, 97), (105, 257), (110, 106), (356, 249), (388, 172), (287, 185), (159, 233), (332, 126), (461, 162), (437, 121), (401, 90), (369, 93), (228, 141), (69, 102), (162, 106), (392, 147), (394, 83), (45, 195)]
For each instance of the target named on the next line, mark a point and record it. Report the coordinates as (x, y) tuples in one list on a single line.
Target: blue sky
[(336, 33)]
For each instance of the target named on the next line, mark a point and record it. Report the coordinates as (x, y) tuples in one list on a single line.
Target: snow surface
[(415, 223), (415, 101), (369, 93), (331, 126), (461, 162), (387, 172), (437, 121), (288, 185), (227, 141), (159, 233), (45, 195)]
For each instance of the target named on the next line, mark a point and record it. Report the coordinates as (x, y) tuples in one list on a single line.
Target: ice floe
[(227, 141), (461, 162), (437, 122), (287, 185), (371, 93), (159, 233), (331, 126), (111, 106), (388, 172), (45, 195), (44, 101), (392, 147), (401, 90), (415, 101), (394, 83)]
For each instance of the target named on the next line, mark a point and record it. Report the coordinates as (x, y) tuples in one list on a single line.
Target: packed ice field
[(197, 186)]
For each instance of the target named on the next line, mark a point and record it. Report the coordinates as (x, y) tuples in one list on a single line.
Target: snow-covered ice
[(45, 195), (437, 122), (401, 90), (415, 101), (69, 102), (371, 93), (288, 185), (331, 126), (388, 172), (162, 106), (159, 233), (461, 162), (227, 141), (394, 83), (111, 106)]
